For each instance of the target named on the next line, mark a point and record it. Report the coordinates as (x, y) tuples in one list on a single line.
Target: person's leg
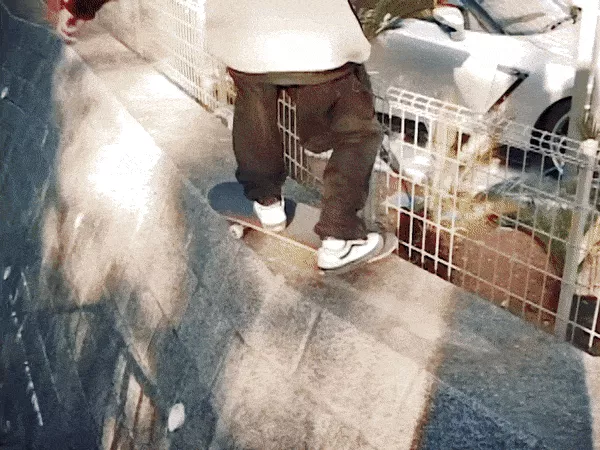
[(345, 107), (256, 139)]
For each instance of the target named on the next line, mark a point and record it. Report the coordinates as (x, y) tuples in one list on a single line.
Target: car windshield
[(525, 16)]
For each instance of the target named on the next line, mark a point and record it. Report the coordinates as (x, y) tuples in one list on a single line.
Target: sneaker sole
[(358, 262)]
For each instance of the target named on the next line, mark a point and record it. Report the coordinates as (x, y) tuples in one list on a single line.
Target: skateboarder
[(315, 49)]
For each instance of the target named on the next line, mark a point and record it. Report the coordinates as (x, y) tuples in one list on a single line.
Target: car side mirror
[(451, 17)]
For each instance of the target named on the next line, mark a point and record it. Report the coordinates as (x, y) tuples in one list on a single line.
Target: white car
[(518, 53)]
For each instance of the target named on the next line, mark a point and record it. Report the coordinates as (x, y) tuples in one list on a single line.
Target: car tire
[(555, 120)]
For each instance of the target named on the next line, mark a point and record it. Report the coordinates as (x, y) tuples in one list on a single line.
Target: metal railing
[(474, 199), (480, 201), (170, 33)]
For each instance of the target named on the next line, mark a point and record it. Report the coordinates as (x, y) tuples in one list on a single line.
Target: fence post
[(574, 243), (138, 28), (370, 209)]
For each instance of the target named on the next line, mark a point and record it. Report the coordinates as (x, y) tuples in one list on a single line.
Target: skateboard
[(228, 200)]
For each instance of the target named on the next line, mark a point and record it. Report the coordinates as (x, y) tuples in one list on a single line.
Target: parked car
[(514, 53)]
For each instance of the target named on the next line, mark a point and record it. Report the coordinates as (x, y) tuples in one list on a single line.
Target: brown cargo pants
[(334, 110)]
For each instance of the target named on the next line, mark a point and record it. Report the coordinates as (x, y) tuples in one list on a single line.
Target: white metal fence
[(479, 201), (475, 200), (171, 34)]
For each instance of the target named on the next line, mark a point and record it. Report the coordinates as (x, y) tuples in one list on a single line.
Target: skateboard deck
[(228, 200)]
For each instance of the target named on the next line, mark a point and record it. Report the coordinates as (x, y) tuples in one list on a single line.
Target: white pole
[(586, 48), (574, 242), (594, 83)]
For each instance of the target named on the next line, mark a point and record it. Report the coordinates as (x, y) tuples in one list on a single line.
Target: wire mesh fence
[(171, 34), (479, 201)]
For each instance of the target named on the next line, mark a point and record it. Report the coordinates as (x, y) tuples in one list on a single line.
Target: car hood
[(419, 56), (560, 44)]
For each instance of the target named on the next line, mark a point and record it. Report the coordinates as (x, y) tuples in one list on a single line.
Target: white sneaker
[(272, 217), (337, 253)]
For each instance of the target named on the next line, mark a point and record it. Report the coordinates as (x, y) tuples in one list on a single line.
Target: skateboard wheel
[(236, 230)]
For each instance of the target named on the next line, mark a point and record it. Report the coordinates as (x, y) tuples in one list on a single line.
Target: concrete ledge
[(144, 301), (396, 307)]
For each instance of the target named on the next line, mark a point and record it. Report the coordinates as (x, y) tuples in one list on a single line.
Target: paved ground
[(146, 302), (32, 10)]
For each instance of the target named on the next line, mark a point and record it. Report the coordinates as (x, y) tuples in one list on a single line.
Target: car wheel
[(555, 121)]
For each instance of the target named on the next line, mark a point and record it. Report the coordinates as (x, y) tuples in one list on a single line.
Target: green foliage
[(377, 15), (374, 20)]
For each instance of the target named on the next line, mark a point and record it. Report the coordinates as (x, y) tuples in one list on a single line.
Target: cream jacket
[(258, 36)]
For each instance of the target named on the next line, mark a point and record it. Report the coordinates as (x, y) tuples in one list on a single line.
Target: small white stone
[(176, 417), (78, 220)]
